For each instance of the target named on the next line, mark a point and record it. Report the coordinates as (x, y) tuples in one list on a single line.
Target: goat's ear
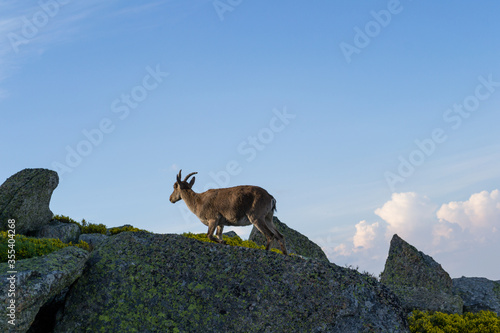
[(191, 183)]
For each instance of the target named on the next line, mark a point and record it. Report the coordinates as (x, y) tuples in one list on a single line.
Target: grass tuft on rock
[(117, 230), (232, 241), (85, 227), (94, 228), (28, 247)]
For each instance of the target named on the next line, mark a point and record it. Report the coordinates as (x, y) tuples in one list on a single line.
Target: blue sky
[(363, 119)]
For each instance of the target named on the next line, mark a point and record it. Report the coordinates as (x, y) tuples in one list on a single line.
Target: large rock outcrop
[(419, 281), (38, 280), (295, 241), (25, 197), (168, 283), (66, 232), (478, 294)]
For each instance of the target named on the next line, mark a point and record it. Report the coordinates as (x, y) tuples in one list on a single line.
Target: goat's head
[(181, 185)]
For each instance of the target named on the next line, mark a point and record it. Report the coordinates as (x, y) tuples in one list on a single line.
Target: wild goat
[(234, 206)]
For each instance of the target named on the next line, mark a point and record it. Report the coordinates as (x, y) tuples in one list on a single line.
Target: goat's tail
[(273, 201)]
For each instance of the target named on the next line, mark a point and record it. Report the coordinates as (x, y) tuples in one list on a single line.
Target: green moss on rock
[(38, 280), (28, 247), (496, 289), (96, 228), (169, 283), (231, 241), (117, 230)]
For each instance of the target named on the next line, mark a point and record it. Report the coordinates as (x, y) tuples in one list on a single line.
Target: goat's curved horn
[(179, 176), (187, 177)]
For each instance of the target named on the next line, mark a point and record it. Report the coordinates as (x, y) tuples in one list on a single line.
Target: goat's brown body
[(233, 206)]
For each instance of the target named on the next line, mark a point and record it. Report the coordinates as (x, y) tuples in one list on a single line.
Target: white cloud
[(366, 250), (342, 250), (442, 230), (469, 230), (409, 215), (479, 215), (365, 234)]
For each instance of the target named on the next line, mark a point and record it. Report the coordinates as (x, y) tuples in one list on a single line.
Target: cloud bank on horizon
[(468, 228)]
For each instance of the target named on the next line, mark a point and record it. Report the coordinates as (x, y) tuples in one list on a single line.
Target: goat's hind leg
[(276, 234), (261, 226), (269, 233), (281, 239)]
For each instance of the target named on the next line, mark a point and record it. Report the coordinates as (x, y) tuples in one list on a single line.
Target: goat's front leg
[(212, 224)]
